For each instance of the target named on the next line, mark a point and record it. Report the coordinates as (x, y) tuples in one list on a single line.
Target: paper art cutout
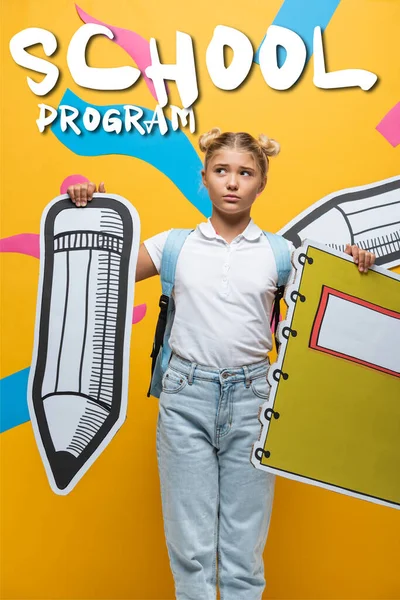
[(368, 216), (302, 17), (389, 127), (138, 313), (78, 382), (22, 243), (333, 415), (13, 401), (28, 244), (134, 44)]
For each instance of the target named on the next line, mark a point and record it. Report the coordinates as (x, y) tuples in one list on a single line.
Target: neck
[(229, 226)]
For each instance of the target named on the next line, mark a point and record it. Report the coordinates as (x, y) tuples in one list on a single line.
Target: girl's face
[(233, 181)]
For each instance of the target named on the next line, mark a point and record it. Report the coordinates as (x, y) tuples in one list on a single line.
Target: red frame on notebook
[(326, 292)]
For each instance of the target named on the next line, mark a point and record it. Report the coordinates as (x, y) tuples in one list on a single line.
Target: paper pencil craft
[(78, 383), (333, 415), (368, 216)]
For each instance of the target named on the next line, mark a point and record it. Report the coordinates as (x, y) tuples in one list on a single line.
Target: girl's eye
[(248, 173), (219, 169)]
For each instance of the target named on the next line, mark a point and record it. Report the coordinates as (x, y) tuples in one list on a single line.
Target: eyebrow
[(241, 167)]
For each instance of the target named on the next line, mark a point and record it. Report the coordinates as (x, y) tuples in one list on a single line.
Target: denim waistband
[(229, 374)]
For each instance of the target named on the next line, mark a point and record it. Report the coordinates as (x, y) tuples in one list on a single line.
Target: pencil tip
[(64, 466)]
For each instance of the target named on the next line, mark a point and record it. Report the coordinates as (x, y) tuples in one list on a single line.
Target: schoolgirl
[(216, 506)]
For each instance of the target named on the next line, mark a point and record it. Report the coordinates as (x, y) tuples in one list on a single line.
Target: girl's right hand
[(82, 193)]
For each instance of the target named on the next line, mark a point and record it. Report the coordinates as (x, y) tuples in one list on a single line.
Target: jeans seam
[(178, 389), (221, 595), (216, 429), (230, 413), (216, 528), (182, 373), (161, 488), (254, 379), (172, 392)]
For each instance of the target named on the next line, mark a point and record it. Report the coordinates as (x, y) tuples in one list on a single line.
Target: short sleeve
[(155, 246), (292, 275), (291, 247)]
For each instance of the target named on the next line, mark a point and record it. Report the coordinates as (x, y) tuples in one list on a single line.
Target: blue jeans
[(216, 505)]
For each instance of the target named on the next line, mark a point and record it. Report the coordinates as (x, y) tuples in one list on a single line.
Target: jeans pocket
[(173, 381), (260, 387)]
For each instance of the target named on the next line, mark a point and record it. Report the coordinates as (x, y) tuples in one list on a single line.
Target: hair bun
[(208, 138), (269, 147)]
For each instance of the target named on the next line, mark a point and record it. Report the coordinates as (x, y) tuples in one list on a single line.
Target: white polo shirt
[(223, 295)]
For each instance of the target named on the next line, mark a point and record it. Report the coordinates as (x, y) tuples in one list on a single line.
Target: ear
[(203, 176), (262, 187)]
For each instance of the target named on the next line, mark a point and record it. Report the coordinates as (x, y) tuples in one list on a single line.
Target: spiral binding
[(295, 294), (290, 331), (259, 453), (277, 374), (269, 412), (281, 374), (306, 258)]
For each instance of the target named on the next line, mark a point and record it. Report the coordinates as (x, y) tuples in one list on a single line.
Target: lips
[(231, 197)]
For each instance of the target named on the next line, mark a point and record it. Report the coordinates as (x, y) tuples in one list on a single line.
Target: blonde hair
[(261, 148)]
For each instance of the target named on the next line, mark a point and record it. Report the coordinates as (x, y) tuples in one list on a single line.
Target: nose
[(232, 182)]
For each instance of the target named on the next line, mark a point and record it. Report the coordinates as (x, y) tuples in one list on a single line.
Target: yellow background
[(105, 539)]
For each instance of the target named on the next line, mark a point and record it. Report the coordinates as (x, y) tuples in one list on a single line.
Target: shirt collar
[(252, 231)]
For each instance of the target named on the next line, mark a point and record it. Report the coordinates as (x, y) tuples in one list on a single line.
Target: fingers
[(361, 257), (70, 192), (361, 260), (355, 253), (77, 194), (369, 260), (366, 260), (82, 193), (91, 191)]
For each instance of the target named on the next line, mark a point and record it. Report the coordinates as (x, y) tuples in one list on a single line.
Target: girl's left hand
[(362, 258)]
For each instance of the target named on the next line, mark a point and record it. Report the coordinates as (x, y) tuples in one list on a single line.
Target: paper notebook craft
[(333, 415), (78, 383)]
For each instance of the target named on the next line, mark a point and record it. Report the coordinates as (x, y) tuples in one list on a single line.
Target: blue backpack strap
[(172, 248), (281, 252), (161, 350)]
